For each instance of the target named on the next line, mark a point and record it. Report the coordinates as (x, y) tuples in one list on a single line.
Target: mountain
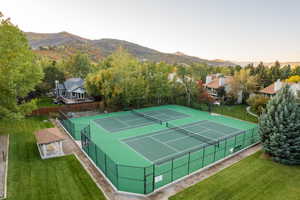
[(59, 45)]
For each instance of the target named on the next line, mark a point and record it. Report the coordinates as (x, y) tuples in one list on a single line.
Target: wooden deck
[(76, 101)]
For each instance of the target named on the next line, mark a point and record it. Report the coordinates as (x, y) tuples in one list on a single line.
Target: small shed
[(50, 142)]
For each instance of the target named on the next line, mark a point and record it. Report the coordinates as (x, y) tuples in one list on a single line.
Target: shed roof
[(48, 135)]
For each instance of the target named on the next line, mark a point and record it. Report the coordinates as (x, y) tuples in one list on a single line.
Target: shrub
[(258, 102)]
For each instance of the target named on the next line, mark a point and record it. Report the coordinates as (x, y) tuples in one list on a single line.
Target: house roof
[(48, 135), (271, 88), (73, 83), (79, 90), (215, 83), (268, 90)]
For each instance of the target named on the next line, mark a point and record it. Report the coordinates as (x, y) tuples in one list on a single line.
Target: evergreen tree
[(261, 71), (285, 72), (275, 72), (296, 70), (279, 128)]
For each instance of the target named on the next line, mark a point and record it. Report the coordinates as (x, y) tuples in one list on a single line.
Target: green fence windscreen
[(144, 180)]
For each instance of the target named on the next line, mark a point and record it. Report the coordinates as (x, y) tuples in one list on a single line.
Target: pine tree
[(279, 128)]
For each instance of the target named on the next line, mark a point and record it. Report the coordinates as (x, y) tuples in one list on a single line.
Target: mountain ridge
[(62, 44)]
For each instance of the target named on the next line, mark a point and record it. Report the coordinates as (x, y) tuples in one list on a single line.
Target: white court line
[(111, 131), (224, 135), (136, 151), (204, 129), (180, 138), (137, 137), (216, 131), (127, 127), (178, 153), (199, 133), (161, 132), (163, 144)]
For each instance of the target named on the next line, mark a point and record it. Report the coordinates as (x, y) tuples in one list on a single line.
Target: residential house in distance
[(215, 82), (72, 91), (272, 89)]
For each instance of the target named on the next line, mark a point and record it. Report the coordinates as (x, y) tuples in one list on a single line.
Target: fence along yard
[(141, 159), (65, 108)]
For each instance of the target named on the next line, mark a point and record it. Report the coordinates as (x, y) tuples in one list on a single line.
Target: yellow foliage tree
[(243, 83), (294, 79)]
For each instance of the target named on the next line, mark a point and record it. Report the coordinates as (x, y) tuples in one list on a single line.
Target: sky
[(238, 30)]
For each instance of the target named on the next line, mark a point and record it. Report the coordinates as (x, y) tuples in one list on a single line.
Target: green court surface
[(133, 120), (140, 151), (166, 144)]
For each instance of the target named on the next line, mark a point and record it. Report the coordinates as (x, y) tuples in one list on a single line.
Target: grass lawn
[(46, 102), (236, 111), (31, 178), (252, 178)]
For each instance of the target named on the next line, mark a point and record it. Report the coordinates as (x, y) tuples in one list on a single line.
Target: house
[(272, 89), (215, 82), (72, 91)]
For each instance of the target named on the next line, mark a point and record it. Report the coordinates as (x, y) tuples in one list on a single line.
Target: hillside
[(58, 45)]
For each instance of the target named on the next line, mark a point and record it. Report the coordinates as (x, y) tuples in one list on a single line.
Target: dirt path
[(248, 109), (4, 140), (163, 194)]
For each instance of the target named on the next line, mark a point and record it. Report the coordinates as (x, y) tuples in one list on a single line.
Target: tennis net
[(192, 134), (147, 116)]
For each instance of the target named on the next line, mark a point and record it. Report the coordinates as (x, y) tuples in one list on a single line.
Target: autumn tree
[(242, 84), (258, 102), (294, 79), (187, 81), (19, 73), (124, 81), (203, 96), (77, 65)]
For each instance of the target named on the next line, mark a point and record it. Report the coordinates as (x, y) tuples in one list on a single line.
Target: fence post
[(96, 155), (153, 177), (172, 168), (214, 152), (244, 138), (117, 176), (234, 141), (189, 162), (203, 157), (225, 147), (88, 146), (105, 167), (145, 185)]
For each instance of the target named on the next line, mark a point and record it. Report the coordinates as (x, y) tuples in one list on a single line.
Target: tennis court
[(137, 119), (175, 141), (140, 151)]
